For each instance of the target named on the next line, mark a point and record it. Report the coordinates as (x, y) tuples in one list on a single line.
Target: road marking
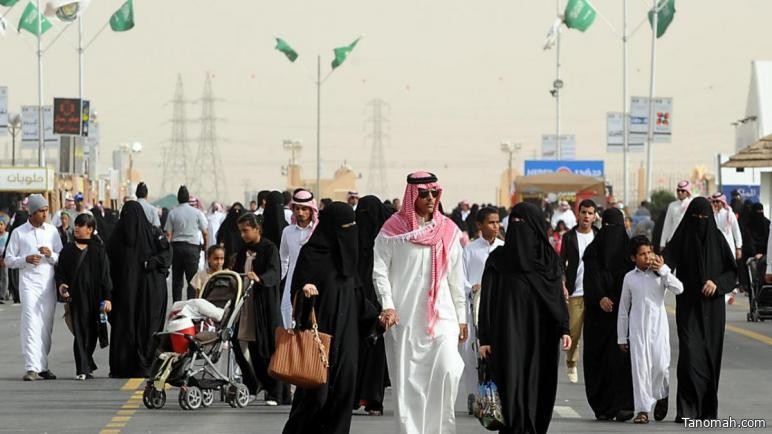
[(128, 408), (764, 339), (566, 412), (132, 384)]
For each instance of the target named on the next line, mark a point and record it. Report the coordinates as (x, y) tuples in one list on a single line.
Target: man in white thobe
[(642, 326), (675, 212), (418, 276), (33, 249), (565, 214), (294, 236), (475, 255)]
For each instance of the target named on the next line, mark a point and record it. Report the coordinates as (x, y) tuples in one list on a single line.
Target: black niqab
[(273, 217), (228, 235)]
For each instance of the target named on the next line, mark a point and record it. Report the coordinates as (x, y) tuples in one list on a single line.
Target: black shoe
[(678, 419), (660, 410), (624, 415), (47, 375), (603, 417)]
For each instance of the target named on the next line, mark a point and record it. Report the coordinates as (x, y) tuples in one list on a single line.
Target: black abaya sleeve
[(272, 266), (488, 290), (161, 258), (593, 280), (104, 279), (64, 267)]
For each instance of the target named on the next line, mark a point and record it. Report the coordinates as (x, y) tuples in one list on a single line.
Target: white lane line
[(566, 412)]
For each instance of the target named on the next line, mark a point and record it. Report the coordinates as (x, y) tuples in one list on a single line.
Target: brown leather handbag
[(302, 356)]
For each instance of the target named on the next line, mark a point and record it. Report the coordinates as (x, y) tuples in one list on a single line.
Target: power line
[(376, 176), (209, 181), (175, 172)]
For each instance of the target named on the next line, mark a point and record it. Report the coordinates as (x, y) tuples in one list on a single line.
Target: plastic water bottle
[(102, 314)]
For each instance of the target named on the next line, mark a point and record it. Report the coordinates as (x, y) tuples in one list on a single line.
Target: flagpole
[(41, 127), (557, 91), (625, 127), (651, 98), (318, 126)]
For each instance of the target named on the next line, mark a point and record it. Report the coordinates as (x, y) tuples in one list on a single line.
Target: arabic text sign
[(29, 124), (567, 146), (67, 116), (34, 179), (3, 109), (615, 135)]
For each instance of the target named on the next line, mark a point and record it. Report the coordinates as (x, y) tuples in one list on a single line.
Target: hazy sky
[(459, 76)]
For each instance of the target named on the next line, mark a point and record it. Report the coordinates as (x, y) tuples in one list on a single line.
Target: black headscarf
[(228, 235), (371, 214), (528, 254), (331, 247), (273, 217), (612, 241), (698, 246), (133, 231)]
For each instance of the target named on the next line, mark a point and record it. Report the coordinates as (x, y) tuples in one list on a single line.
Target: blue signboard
[(752, 192), (577, 167)]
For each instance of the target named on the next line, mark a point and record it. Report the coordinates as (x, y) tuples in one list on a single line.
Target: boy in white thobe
[(34, 249), (475, 255), (642, 322), (305, 214)]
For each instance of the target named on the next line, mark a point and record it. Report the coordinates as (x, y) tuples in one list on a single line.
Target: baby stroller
[(759, 293), (188, 354)]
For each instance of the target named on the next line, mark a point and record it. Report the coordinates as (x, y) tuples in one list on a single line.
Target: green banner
[(29, 20), (579, 15), (123, 19), (665, 14), (341, 53), (284, 47)]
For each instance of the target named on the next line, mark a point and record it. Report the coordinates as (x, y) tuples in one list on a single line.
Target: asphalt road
[(110, 406)]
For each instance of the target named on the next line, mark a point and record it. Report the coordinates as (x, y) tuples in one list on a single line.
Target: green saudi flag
[(579, 15), (342, 52), (665, 14), (8, 3), (284, 47), (29, 20), (123, 19)]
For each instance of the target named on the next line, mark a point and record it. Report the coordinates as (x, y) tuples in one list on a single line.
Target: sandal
[(642, 417)]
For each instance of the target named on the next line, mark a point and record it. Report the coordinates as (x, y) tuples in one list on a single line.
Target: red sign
[(67, 117)]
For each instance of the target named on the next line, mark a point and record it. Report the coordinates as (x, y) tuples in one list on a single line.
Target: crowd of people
[(412, 297)]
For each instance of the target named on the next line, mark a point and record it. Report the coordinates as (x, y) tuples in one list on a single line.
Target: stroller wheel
[(147, 397), (242, 396), (207, 397), (157, 398), (191, 398)]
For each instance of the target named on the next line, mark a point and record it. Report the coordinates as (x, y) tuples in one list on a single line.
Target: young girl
[(642, 311), (258, 258), (215, 258)]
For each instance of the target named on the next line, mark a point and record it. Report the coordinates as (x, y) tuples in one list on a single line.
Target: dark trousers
[(184, 260), (13, 284)]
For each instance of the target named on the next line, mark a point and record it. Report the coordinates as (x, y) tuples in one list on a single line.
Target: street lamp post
[(510, 148)]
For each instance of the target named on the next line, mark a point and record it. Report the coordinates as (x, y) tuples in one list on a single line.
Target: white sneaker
[(573, 377), (271, 403)]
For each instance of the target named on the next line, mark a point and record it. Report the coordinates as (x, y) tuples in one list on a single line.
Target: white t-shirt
[(583, 240)]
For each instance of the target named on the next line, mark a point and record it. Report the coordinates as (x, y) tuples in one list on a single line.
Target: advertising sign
[(578, 167), (615, 132), (567, 146), (639, 119), (26, 179)]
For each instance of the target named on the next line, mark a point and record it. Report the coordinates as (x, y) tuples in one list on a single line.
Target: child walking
[(215, 259), (642, 328)]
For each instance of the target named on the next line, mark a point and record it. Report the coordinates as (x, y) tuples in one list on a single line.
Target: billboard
[(639, 119), (752, 192), (578, 167), (615, 132), (67, 116), (29, 125), (567, 146)]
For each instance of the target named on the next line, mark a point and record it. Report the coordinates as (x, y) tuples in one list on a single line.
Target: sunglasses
[(680, 190), (423, 194)]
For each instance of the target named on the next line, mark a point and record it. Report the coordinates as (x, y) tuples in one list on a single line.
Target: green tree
[(660, 199)]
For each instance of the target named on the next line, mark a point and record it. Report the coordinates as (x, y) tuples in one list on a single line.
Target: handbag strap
[(314, 331)]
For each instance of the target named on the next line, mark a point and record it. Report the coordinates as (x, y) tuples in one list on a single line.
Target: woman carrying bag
[(83, 281), (327, 271)]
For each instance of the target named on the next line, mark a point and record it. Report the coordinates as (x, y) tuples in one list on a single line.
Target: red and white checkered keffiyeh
[(305, 198), (439, 234)]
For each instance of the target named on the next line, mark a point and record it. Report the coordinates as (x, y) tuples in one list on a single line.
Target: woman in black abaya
[(607, 371), (228, 235), (327, 267), (83, 276), (139, 263), (273, 217), (523, 316), (372, 374), (705, 264)]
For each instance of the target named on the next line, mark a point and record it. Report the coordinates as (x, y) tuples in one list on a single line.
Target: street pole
[(318, 126), (41, 127), (557, 90), (650, 139), (625, 127)]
